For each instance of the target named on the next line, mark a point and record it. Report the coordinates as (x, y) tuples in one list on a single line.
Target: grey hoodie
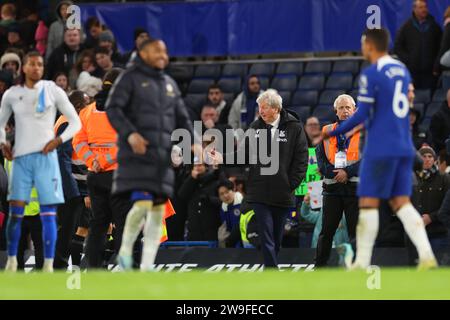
[(56, 31)]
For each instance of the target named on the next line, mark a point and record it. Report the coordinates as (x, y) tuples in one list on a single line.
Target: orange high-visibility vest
[(61, 120), (97, 139), (331, 146), (169, 211)]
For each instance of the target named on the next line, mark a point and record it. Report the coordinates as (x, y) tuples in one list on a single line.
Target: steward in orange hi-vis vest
[(331, 146)]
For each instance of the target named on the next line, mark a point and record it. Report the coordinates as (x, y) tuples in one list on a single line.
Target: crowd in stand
[(209, 201)]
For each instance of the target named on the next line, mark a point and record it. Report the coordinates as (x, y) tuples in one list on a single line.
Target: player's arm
[(361, 115), (67, 109), (5, 114)]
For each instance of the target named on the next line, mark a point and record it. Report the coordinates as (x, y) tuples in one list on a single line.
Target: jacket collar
[(141, 65)]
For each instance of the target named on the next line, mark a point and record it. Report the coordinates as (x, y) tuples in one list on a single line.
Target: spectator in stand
[(200, 192), (15, 39), (429, 195), (8, 17), (94, 29), (41, 37), (86, 62), (440, 125), (57, 28), (215, 98), (230, 213), (443, 162), (103, 60), (64, 57), (12, 62), (28, 27), (6, 81), (444, 51), (244, 108), (140, 35), (62, 81), (417, 46), (312, 130), (106, 40)]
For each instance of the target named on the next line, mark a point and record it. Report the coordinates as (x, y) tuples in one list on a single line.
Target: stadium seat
[(207, 71), (233, 85), (318, 67), (425, 125), (262, 69), (421, 108), (439, 95), (290, 68), (325, 114), (229, 97), (356, 82), (302, 111), (264, 82), (312, 82), (286, 95), (181, 73), (340, 81), (305, 98), (284, 82), (422, 96), (346, 66), (200, 85), (234, 70), (328, 96), (195, 100), (432, 108)]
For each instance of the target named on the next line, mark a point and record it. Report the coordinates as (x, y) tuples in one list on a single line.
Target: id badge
[(340, 160)]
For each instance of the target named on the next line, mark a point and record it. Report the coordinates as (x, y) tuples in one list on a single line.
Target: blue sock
[(48, 218), (13, 228)]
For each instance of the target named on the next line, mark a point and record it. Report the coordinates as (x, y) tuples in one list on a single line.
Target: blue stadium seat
[(234, 70), (302, 111), (181, 73), (263, 81), (440, 95), (350, 66), (356, 82), (422, 96), (262, 69), (195, 100), (432, 108), (328, 96), (421, 108), (340, 81), (312, 82), (286, 95), (325, 114), (318, 67), (207, 71), (230, 84), (425, 124), (284, 82), (305, 97), (200, 85), (290, 68)]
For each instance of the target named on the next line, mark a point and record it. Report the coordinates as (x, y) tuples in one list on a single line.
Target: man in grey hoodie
[(56, 31)]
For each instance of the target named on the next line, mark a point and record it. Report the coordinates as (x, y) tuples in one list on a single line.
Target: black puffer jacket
[(147, 101), (278, 189), (440, 127)]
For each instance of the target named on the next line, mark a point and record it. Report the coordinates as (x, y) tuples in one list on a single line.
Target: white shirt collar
[(276, 122)]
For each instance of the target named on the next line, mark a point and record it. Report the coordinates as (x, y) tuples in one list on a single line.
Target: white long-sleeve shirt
[(33, 129)]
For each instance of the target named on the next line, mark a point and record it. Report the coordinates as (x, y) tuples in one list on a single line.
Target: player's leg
[(47, 180), (20, 187), (408, 215), (152, 234), (142, 202)]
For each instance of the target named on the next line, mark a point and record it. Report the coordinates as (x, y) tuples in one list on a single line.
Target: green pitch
[(393, 283)]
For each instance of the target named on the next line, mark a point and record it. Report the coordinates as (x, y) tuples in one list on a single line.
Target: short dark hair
[(147, 42), (379, 37), (76, 98), (101, 50), (91, 22), (31, 54), (110, 77), (214, 86), (227, 184)]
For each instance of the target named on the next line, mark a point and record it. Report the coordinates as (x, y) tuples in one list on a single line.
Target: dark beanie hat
[(427, 150), (138, 31)]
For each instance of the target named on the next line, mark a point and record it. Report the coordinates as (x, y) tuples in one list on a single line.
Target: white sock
[(152, 236), (415, 229), (133, 225), (48, 265), (366, 233)]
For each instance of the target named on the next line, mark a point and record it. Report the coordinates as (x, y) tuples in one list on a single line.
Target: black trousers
[(333, 209), (68, 215), (31, 226), (106, 209), (271, 222)]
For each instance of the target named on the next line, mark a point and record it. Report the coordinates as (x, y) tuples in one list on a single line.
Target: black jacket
[(278, 189), (147, 101), (62, 59), (428, 197), (440, 127), (203, 206), (417, 49)]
